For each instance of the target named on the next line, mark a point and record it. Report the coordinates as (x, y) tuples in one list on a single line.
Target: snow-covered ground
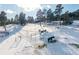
[(23, 40), (12, 29)]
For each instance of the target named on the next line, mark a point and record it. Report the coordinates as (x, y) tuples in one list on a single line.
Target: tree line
[(42, 15), (65, 18)]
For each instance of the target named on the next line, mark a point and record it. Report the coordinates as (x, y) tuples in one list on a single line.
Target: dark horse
[(51, 39)]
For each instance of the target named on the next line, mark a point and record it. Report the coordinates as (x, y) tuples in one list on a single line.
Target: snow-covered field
[(24, 40)]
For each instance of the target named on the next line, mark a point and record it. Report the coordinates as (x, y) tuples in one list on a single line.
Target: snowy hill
[(22, 43), (25, 40)]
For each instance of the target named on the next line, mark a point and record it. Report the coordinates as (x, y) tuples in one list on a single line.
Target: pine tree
[(30, 19), (67, 20), (16, 19), (58, 12), (40, 16), (50, 15), (22, 19), (3, 19)]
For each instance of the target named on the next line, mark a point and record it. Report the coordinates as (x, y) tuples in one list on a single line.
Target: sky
[(31, 9)]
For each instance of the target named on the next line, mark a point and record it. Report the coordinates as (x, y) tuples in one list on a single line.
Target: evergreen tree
[(30, 19), (12, 21), (3, 19), (22, 19), (58, 12), (76, 14), (67, 20), (45, 15), (50, 15), (16, 19), (40, 16)]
